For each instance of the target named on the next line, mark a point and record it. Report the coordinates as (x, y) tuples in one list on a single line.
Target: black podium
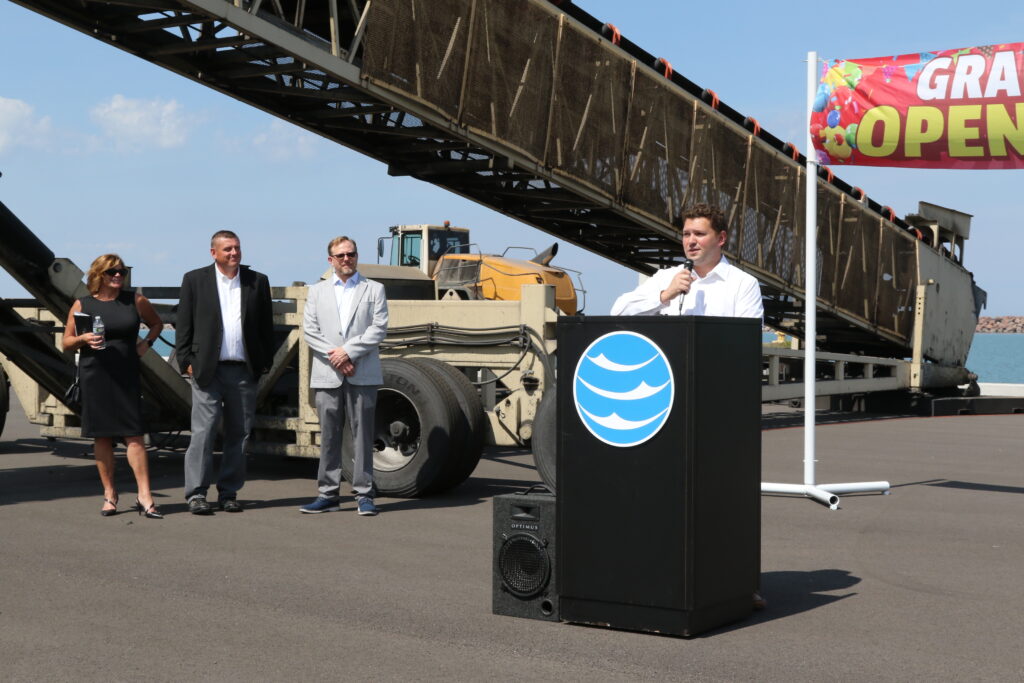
[(659, 471)]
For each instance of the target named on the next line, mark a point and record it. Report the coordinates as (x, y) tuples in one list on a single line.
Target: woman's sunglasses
[(116, 271)]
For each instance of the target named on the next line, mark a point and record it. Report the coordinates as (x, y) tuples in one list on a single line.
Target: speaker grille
[(524, 565)]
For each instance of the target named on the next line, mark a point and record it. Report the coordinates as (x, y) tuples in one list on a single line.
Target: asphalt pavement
[(923, 584)]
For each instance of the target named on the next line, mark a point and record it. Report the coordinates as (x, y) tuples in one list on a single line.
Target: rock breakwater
[(1006, 324)]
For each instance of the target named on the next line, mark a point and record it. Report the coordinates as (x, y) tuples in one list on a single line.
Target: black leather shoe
[(199, 506), (230, 505)]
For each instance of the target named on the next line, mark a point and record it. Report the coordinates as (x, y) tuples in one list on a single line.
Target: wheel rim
[(396, 431)]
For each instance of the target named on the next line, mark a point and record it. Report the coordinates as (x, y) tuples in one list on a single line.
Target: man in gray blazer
[(345, 320)]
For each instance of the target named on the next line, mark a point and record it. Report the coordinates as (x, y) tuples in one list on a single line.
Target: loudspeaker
[(525, 554)]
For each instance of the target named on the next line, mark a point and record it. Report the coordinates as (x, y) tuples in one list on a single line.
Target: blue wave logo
[(623, 388)]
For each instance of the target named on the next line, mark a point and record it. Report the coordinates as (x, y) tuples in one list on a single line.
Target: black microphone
[(688, 264)]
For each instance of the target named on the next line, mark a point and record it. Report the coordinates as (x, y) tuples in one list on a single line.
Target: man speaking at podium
[(705, 284)]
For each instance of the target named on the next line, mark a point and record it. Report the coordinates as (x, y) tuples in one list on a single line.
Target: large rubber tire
[(414, 426), (473, 419), (5, 399), (458, 434), (545, 435)]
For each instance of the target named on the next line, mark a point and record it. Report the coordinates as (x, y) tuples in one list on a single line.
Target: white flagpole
[(810, 274), (823, 493)]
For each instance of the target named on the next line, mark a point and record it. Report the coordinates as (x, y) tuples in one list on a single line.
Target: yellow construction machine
[(444, 253)]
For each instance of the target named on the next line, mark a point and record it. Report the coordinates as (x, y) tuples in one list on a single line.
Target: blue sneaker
[(366, 507), (321, 504)]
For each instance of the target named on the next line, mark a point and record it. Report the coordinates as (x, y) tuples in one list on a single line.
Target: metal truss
[(299, 60)]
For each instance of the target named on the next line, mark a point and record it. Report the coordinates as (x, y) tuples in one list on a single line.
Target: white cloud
[(136, 124), (281, 141), (19, 126)]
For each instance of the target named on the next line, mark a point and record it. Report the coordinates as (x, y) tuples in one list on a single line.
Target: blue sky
[(101, 151)]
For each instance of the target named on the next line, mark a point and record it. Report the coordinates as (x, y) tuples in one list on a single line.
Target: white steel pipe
[(815, 492), (825, 494), (810, 274), (857, 487), (772, 487), (823, 497)]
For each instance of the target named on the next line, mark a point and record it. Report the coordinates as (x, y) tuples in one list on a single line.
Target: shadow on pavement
[(70, 472), (792, 592), (963, 485), (975, 486), (790, 420), (26, 446)]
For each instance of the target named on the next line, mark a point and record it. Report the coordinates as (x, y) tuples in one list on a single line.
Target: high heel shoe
[(152, 512), (109, 513)]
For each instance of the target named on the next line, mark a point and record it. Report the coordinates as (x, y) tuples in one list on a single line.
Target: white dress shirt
[(725, 291), (344, 295), (229, 290)]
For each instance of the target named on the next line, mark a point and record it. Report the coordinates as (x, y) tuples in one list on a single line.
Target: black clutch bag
[(73, 395)]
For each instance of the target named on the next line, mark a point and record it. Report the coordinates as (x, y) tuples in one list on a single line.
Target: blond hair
[(94, 278), (338, 240)]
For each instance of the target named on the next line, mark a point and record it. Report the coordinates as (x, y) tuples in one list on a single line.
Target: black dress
[(111, 391)]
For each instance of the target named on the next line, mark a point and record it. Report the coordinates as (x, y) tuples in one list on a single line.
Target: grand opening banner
[(947, 109)]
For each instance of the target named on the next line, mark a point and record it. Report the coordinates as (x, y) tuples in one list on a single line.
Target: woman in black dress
[(109, 375)]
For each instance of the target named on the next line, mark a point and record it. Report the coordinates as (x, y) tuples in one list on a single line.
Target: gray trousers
[(233, 394), (356, 404)]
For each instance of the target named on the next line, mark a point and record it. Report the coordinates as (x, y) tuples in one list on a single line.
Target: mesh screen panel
[(719, 170), (829, 217), (747, 228), (509, 86), (589, 109), (776, 206), (870, 234), (419, 47), (858, 254), (657, 151)]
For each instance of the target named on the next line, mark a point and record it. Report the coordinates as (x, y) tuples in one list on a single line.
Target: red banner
[(946, 109)]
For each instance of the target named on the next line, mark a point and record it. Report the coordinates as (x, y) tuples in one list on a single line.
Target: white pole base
[(824, 497), (826, 493)]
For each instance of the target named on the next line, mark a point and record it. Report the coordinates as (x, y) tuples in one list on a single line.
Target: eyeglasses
[(345, 255), (115, 271)]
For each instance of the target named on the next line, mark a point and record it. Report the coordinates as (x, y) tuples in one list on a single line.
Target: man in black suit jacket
[(224, 342)]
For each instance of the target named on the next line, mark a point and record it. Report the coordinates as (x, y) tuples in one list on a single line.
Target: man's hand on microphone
[(680, 284)]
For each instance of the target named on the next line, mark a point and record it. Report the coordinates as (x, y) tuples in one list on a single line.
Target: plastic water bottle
[(98, 328)]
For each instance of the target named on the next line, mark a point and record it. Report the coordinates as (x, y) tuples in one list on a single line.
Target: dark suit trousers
[(233, 394)]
